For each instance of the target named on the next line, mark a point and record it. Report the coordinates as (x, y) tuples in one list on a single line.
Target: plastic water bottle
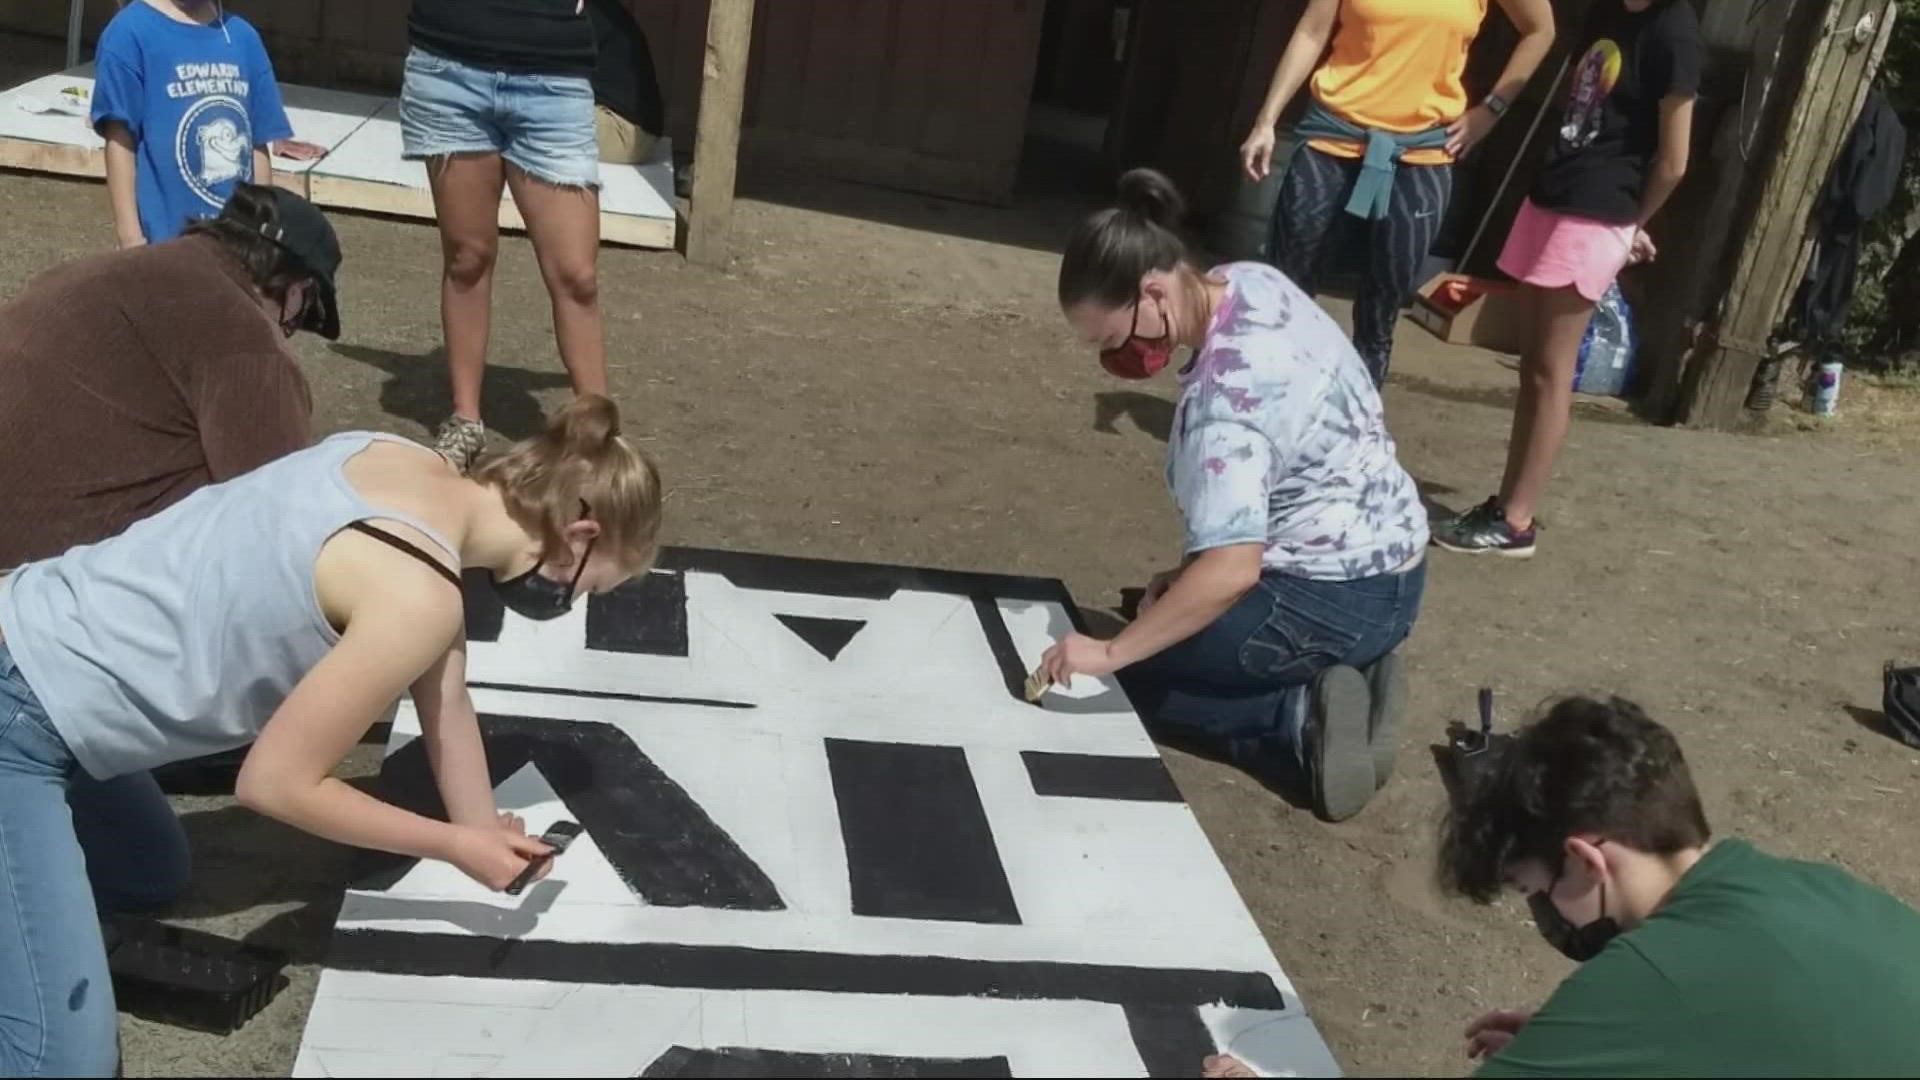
[(1608, 350), (1826, 387)]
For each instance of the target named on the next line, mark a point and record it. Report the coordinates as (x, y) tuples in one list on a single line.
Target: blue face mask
[(535, 596)]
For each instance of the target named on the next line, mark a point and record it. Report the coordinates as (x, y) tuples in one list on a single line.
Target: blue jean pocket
[(563, 86), (27, 737), (1310, 629), (1284, 655), (427, 63)]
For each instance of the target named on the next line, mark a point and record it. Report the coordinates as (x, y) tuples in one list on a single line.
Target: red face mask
[(1138, 357)]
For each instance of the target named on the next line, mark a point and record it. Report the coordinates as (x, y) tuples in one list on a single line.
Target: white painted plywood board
[(740, 714)]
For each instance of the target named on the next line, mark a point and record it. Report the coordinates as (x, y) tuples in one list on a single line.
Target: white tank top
[(181, 636)]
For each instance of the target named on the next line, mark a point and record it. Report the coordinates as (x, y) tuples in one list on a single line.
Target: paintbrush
[(1037, 684)]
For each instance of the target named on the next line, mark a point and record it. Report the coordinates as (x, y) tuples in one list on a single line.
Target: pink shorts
[(1555, 250)]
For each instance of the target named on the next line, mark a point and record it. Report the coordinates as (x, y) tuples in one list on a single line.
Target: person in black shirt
[(499, 93), (626, 91), (1618, 153)]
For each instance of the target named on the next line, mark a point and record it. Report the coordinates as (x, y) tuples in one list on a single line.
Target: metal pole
[(75, 9), (1546, 106)]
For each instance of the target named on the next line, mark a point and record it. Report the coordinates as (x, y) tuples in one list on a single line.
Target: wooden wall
[(1187, 97), (322, 42), (1753, 61), (923, 94), (930, 96)]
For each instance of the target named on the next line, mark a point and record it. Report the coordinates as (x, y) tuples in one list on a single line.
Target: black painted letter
[(918, 842), (745, 1061), (662, 844)]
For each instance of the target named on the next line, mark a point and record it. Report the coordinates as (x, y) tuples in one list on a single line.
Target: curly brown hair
[(1586, 766)]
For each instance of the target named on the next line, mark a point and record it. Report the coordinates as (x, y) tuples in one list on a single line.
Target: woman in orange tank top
[(1389, 117)]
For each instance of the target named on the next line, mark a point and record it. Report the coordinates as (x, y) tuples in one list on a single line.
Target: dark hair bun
[(1108, 254), (1148, 194)]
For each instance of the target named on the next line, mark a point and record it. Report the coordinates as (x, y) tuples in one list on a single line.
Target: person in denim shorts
[(499, 93)]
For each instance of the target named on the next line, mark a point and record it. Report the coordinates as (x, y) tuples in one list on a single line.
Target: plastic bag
[(1609, 349)]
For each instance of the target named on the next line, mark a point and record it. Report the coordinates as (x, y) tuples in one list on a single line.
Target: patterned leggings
[(1315, 190)]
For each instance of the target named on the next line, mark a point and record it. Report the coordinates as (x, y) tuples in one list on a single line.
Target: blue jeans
[(1227, 688), (544, 124), (70, 846)]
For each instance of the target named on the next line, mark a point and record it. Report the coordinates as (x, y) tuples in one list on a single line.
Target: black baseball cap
[(302, 231)]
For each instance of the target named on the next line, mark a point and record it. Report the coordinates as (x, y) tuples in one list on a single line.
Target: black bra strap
[(393, 541)]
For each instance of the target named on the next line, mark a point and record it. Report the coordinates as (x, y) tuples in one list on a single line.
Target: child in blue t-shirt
[(185, 96)]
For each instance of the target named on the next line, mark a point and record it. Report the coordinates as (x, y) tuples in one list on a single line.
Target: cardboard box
[(1463, 310)]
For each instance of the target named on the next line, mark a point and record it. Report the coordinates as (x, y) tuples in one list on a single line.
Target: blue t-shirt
[(197, 100)]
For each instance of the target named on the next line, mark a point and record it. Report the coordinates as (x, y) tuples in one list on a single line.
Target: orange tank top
[(1395, 66)]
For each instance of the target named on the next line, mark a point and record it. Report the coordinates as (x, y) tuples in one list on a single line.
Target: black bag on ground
[(1902, 703), (1469, 756)]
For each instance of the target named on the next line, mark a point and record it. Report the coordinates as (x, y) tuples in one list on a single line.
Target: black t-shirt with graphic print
[(1610, 127), (522, 37)]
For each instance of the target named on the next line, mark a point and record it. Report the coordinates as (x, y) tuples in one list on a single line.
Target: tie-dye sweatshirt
[(1279, 439)]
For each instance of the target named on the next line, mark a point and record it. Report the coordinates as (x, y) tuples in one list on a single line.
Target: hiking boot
[(1387, 684), (460, 440), (1483, 530), (1339, 755)]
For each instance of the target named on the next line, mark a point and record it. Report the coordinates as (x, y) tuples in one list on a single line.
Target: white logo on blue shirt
[(214, 147)]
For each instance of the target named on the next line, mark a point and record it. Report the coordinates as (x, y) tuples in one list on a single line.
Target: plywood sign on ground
[(824, 835), (58, 139), (44, 128)]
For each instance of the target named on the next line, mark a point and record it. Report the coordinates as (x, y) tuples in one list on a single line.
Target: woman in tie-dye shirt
[(1273, 641)]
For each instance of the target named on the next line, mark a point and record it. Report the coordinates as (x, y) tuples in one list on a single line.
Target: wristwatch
[(1496, 105)]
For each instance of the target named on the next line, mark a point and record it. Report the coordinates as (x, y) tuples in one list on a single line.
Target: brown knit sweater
[(128, 381)]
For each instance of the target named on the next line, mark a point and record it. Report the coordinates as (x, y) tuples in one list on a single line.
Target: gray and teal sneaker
[(460, 440), (1483, 530)]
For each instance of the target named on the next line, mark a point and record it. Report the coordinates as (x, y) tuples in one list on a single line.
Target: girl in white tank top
[(289, 608)]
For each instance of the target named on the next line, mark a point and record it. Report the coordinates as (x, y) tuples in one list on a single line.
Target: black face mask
[(535, 596), (1577, 943)]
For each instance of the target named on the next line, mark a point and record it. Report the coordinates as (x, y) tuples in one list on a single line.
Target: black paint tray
[(189, 978)]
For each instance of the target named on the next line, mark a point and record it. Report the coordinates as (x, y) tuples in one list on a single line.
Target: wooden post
[(716, 143), (1772, 256)]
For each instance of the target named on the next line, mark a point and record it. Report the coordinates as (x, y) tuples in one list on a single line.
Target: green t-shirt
[(1754, 966)]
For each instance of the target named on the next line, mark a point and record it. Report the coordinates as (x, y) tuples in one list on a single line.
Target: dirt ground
[(885, 377)]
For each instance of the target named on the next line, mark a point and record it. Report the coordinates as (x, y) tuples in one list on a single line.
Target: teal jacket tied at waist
[(1373, 192)]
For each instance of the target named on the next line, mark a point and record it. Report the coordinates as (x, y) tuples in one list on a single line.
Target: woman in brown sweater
[(130, 380)]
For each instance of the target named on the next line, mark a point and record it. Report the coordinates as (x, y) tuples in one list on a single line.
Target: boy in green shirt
[(1699, 958)]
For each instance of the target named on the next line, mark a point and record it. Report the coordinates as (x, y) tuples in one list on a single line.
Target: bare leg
[(466, 197), (1544, 409), (564, 223), (1526, 400)]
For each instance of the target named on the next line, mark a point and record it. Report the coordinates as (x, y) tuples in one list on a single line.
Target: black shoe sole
[(1387, 684), (1505, 553), (1339, 710)]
